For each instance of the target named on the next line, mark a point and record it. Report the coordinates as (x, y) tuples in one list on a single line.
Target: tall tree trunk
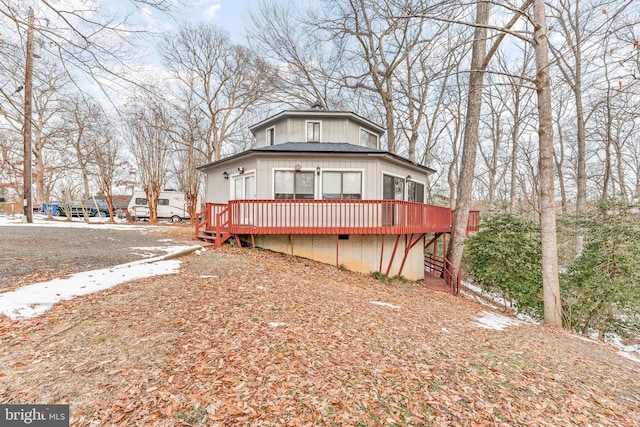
[(559, 160), (581, 196), (515, 135), (607, 145), (470, 140), (550, 282)]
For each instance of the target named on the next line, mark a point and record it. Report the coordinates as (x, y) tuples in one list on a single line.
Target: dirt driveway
[(33, 253)]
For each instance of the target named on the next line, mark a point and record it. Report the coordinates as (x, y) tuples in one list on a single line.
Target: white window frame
[(424, 188), (268, 142), (306, 125), (363, 188), (273, 181), (395, 175), (232, 184), (370, 133)]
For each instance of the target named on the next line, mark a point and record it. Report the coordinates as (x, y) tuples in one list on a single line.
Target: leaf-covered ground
[(247, 337)]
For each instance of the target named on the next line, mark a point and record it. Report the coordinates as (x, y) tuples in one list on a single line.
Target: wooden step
[(207, 237)]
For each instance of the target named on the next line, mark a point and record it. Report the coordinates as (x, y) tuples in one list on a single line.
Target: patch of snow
[(616, 341), (276, 324), (494, 321), (386, 304), (445, 330), (33, 300), (260, 288), (95, 222), (168, 250), (207, 276), (629, 356)]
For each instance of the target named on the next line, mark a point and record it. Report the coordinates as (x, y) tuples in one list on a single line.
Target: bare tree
[(550, 280), (308, 62), (222, 80), (88, 38), (108, 161), (480, 58), (376, 39), (581, 24), (150, 144), (187, 137)]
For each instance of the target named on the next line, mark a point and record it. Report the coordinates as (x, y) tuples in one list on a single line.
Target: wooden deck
[(221, 221), (436, 283)]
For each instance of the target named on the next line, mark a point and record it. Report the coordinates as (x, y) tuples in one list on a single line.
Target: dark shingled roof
[(315, 147)]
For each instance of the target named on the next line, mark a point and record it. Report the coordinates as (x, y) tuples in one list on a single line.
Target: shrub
[(601, 287), (504, 258)]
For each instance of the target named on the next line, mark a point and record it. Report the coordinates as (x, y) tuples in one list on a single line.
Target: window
[(271, 136), (342, 185), (392, 188), (415, 192), (141, 201), (313, 131), (163, 202), (368, 139), (244, 187), (294, 185)]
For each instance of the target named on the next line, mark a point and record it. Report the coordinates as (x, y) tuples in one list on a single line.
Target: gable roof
[(342, 148), (316, 114)]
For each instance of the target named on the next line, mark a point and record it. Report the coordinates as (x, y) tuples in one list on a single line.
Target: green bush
[(601, 288), (504, 258)]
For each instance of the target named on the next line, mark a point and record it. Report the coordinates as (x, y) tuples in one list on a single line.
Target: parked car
[(80, 208)]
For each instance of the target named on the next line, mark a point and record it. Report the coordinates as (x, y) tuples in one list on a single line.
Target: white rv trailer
[(172, 205)]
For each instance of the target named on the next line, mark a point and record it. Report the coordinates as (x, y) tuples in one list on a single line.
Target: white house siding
[(218, 189), (359, 253)]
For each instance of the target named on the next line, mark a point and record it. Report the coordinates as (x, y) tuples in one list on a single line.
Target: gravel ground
[(31, 254)]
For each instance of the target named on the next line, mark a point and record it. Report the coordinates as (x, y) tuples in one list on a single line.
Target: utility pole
[(28, 83)]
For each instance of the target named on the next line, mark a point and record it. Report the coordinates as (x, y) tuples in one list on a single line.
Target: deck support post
[(393, 255), (381, 253), (408, 248)]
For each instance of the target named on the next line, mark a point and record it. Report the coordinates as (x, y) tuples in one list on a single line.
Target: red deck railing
[(473, 224), (328, 217)]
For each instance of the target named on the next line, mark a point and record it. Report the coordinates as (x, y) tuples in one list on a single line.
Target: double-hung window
[(368, 139), (294, 185), (341, 185), (271, 136), (313, 131)]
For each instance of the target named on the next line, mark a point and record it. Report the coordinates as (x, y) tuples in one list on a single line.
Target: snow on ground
[(629, 356), (485, 322), (40, 220), (386, 304), (498, 322), (33, 300)]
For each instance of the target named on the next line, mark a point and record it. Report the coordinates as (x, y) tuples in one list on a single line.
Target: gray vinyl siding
[(294, 129), (218, 190)]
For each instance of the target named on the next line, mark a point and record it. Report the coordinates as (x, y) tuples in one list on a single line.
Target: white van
[(172, 205)]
